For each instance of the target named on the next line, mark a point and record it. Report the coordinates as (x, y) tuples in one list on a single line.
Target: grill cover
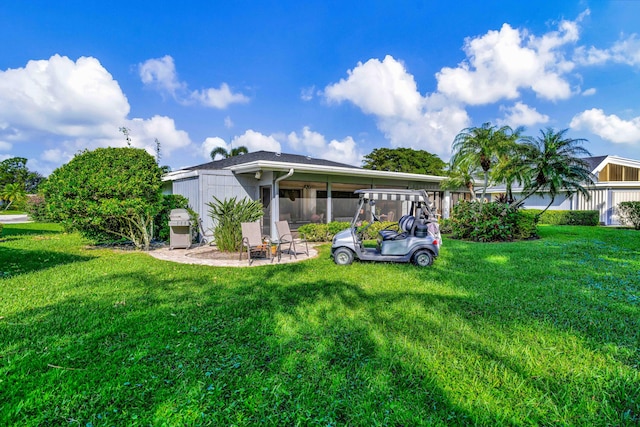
[(179, 217)]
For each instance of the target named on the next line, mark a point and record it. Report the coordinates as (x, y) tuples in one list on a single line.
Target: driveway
[(14, 219)]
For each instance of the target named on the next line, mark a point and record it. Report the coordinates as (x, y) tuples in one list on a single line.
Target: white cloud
[(228, 123), (210, 144), (218, 98), (5, 146), (144, 132), (60, 96), (522, 115), (160, 73), (54, 156), (345, 151), (501, 63), (589, 92), (386, 90), (74, 105), (316, 145), (307, 93), (611, 127), (625, 51), (255, 141)]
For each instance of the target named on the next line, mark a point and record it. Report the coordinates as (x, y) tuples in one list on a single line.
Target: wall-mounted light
[(258, 174)]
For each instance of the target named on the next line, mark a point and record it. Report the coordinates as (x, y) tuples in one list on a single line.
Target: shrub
[(565, 217), (445, 225), (107, 193), (315, 232), (371, 232), (326, 232), (337, 226), (36, 207), (1, 225), (491, 222), (526, 225), (227, 215), (630, 213), (161, 221)]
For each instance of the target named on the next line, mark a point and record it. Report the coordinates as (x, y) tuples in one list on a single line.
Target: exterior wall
[(561, 202), (224, 184), (219, 183), (619, 196), (189, 188), (597, 202), (603, 200)]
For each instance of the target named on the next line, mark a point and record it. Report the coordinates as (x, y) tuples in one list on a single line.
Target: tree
[(482, 146), (463, 173), (404, 160), (13, 193), (555, 166), (512, 165), (14, 171), (107, 192), (226, 154)]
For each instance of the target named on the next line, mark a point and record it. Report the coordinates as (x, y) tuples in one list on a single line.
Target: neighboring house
[(297, 188), (616, 180)]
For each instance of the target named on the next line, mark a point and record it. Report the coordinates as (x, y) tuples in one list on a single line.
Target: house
[(616, 180), (297, 188)]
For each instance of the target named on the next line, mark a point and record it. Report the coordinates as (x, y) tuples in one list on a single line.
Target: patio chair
[(254, 241), (286, 237)]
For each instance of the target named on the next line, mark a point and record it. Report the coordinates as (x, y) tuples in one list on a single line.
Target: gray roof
[(268, 156), (594, 161)]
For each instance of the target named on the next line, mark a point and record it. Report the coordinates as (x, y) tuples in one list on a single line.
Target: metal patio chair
[(285, 237), (254, 241)]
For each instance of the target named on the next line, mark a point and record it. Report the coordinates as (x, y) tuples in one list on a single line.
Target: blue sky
[(327, 79)]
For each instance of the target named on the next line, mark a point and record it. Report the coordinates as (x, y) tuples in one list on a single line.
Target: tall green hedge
[(561, 217)]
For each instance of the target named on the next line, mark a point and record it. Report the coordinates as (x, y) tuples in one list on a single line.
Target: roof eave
[(253, 167)]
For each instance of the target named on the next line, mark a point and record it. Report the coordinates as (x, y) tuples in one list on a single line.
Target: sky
[(327, 79)]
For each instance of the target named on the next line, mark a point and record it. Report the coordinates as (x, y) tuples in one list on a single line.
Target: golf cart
[(414, 238)]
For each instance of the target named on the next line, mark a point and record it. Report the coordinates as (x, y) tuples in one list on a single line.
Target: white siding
[(189, 189), (598, 201), (561, 202), (224, 185), (619, 196)]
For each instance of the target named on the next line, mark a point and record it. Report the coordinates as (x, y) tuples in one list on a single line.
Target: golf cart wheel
[(423, 258), (343, 256)]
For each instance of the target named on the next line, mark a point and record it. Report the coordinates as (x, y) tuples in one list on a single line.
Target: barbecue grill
[(179, 229)]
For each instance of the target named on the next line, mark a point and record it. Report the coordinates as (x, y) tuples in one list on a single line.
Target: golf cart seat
[(404, 225)]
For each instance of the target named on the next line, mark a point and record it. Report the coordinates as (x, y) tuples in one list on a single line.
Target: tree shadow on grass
[(286, 345), (21, 261), (168, 353), (29, 229)]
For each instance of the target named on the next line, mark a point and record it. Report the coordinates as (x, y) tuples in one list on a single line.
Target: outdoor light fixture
[(258, 174)]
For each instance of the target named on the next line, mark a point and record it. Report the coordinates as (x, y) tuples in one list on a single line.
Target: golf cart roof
[(394, 195)]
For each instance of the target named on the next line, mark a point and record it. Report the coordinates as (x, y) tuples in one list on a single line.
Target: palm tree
[(13, 193), (512, 164), (555, 166), (226, 154), (461, 174), (481, 146)]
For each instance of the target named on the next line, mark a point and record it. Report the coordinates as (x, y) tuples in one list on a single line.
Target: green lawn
[(542, 332)]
